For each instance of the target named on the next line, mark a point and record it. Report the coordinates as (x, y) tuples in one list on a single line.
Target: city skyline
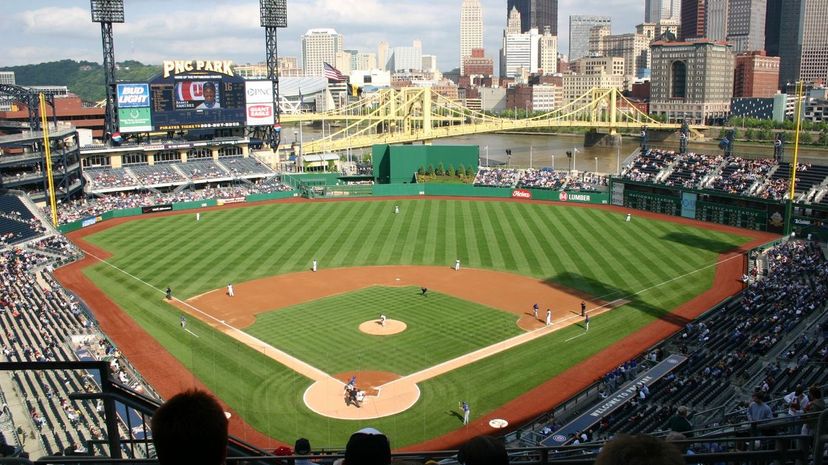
[(48, 30)]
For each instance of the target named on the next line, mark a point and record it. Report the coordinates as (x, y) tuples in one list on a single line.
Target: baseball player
[(583, 308), (382, 320), (183, 322), (198, 216), (169, 293), (629, 217), (586, 322), (396, 209), (314, 265), (466, 412), (548, 317), (230, 289), (457, 265), (535, 310)]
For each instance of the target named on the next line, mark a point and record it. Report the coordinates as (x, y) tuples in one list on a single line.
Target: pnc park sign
[(197, 66)]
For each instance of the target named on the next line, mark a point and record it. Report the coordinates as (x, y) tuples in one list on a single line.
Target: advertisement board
[(259, 99), (134, 108), (688, 204)]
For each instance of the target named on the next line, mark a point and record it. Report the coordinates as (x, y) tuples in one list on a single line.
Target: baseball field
[(472, 338)]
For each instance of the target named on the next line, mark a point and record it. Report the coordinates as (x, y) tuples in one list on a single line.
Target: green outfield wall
[(399, 163)]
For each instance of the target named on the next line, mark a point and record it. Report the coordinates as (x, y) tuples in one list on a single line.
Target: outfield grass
[(586, 249), (333, 324)]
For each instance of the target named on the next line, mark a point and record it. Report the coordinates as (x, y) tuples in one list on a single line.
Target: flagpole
[(301, 167)]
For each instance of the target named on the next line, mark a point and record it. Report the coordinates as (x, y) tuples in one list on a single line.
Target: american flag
[(333, 74)]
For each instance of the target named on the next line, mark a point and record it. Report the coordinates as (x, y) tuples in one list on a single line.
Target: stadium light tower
[(273, 15), (107, 12)]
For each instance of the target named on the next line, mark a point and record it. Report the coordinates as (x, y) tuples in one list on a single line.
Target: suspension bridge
[(422, 115)]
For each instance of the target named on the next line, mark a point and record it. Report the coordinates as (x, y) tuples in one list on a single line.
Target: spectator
[(758, 410), (639, 450), (302, 447), (190, 429), (679, 422), (366, 447), (483, 450)]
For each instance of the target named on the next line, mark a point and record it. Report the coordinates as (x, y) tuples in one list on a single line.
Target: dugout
[(394, 164)]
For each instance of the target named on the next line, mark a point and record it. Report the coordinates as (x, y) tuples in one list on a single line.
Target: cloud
[(58, 22)]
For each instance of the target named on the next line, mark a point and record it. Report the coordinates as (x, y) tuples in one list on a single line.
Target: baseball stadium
[(415, 292)]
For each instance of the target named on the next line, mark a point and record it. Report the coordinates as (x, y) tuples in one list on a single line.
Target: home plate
[(498, 423)]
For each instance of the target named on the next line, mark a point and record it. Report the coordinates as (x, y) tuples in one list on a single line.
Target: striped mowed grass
[(589, 250)]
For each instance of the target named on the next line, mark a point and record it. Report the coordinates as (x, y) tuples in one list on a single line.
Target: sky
[(37, 31)]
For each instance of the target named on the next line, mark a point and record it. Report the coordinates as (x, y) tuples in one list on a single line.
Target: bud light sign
[(133, 96)]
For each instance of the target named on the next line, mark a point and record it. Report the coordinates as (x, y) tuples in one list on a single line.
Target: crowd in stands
[(646, 166), (156, 175), (85, 208), (690, 169), (740, 174), (544, 178), (105, 178)]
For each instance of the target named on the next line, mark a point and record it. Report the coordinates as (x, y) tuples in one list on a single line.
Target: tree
[(430, 170), (421, 171), (469, 172), (806, 138), (440, 170), (749, 134), (461, 170), (450, 171)]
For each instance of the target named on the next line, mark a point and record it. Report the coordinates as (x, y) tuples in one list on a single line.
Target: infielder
[(314, 265), (230, 289), (548, 317), (586, 322), (457, 265), (382, 320), (535, 310), (183, 322)]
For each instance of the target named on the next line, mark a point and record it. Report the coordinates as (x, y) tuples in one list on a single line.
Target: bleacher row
[(762, 178), (17, 224), (544, 178), (725, 350), (41, 322), (171, 174)]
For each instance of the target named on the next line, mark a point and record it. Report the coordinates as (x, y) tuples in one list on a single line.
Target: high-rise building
[(383, 56), (513, 22), (429, 63), (580, 27), (537, 14), (634, 48), (691, 81), (407, 59), (746, 25), (656, 10), (755, 75), (803, 41), (772, 17), (319, 46), (471, 29), (692, 19), (548, 52), (596, 40), (7, 77), (715, 19), (521, 53)]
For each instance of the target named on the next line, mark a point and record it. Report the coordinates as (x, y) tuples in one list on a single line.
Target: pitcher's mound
[(375, 328)]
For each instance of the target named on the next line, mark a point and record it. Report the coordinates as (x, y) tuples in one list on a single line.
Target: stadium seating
[(241, 167), (158, 175), (108, 178), (17, 224), (690, 169), (203, 170)]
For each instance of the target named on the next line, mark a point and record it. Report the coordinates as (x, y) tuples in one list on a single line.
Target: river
[(549, 150)]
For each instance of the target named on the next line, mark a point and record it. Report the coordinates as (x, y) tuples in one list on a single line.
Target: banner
[(134, 108), (578, 197), (688, 204), (618, 194), (134, 120), (157, 208), (521, 194), (259, 103)]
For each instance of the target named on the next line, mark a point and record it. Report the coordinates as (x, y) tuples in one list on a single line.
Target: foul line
[(306, 369)]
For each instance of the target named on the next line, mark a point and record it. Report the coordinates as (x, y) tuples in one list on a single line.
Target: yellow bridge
[(419, 114)]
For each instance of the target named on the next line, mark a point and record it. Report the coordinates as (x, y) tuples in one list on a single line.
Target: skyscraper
[(548, 53), (656, 10), (580, 27), (772, 17), (715, 19), (692, 19), (536, 14), (803, 41), (319, 46), (471, 29), (746, 25)]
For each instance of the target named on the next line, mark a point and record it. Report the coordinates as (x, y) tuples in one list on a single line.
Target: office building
[(773, 15), (319, 46), (406, 59), (803, 41), (746, 25), (430, 63), (691, 81), (755, 75), (548, 52), (477, 64), (634, 48), (7, 77), (656, 10), (471, 29), (383, 56), (521, 53), (715, 19), (692, 19), (536, 14), (580, 28)]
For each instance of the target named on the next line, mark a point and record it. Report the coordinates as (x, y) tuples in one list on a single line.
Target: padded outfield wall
[(399, 163)]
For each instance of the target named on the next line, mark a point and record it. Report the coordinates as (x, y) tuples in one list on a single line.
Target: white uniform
[(457, 265), (396, 208), (314, 264), (198, 216), (230, 289), (382, 320), (548, 317), (629, 217)]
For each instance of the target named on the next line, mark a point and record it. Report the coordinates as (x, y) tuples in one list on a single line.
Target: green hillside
[(84, 78)]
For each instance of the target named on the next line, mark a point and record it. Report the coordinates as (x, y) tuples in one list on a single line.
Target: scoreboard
[(194, 95)]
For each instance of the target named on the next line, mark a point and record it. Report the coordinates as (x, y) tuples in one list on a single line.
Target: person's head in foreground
[(368, 447), (639, 450), (483, 450), (190, 429)]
